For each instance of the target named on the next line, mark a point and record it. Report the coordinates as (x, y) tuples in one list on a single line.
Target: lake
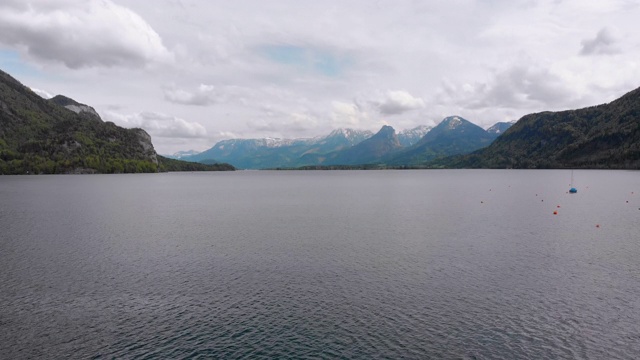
[(447, 264)]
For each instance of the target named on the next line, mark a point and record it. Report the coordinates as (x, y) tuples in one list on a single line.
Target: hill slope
[(604, 136), (61, 135)]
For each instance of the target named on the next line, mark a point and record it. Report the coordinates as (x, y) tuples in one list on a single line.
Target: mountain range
[(454, 135), (603, 136), (60, 135)]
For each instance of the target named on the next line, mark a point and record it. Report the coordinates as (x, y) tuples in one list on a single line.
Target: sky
[(192, 73)]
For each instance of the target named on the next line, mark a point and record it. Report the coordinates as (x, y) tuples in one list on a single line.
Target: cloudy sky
[(192, 73)]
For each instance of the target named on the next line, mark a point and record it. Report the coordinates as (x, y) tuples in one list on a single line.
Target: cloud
[(603, 44), (398, 102), (160, 125), (81, 33), (345, 114), (297, 122), (350, 64), (515, 87), (43, 94), (312, 59), (203, 96)]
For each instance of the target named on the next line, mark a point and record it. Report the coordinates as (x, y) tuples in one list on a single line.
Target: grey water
[(443, 264)]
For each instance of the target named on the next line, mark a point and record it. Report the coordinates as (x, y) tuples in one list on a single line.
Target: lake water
[(451, 264)]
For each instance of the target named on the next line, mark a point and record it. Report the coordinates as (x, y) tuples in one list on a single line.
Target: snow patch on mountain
[(408, 137), (351, 135), (500, 127), (452, 122), (181, 154)]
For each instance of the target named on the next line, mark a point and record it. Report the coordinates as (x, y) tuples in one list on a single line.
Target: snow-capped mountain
[(275, 152), (368, 151), (452, 136), (182, 154), (452, 122), (409, 137), (500, 127)]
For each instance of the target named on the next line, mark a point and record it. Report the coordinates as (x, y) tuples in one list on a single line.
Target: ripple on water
[(346, 268)]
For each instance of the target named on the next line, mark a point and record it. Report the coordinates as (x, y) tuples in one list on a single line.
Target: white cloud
[(334, 64), (279, 124), (43, 94), (346, 114), (398, 102), (160, 125), (81, 33), (603, 44), (515, 87), (203, 96)]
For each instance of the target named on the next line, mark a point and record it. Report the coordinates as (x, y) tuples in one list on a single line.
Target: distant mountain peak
[(342, 131), (384, 142), (408, 137), (500, 127), (349, 134), (453, 122), (386, 129), (420, 128), (182, 154)]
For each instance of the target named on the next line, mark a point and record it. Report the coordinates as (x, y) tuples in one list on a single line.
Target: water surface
[(462, 264)]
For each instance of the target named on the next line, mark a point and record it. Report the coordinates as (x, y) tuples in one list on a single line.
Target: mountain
[(409, 137), (182, 154), (604, 136), (252, 153), (499, 128), (273, 153), (371, 150), (75, 106), (60, 135), (454, 135), (337, 140), (349, 147)]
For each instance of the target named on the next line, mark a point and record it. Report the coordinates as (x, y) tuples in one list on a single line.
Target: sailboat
[(573, 190)]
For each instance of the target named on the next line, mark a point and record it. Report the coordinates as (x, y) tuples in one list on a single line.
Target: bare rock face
[(145, 141), (75, 106), (83, 109)]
